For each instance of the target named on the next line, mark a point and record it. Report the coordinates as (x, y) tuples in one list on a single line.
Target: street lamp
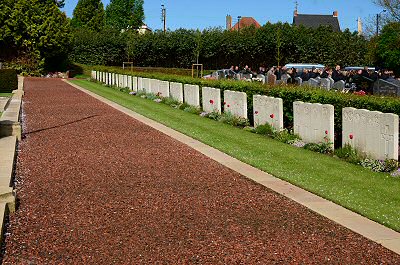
[(377, 21)]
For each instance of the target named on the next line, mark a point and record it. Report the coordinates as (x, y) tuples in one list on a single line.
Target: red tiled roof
[(246, 22)]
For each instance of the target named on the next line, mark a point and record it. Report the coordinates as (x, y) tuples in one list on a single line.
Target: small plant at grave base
[(348, 154), (124, 90), (323, 147), (193, 110), (298, 143), (215, 115), (171, 102), (204, 114), (183, 106), (266, 129), (396, 174), (229, 118), (151, 96), (249, 129), (387, 165), (286, 136), (133, 93), (157, 100)]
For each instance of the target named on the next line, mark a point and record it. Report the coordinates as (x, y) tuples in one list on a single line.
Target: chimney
[(228, 22), (335, 14)]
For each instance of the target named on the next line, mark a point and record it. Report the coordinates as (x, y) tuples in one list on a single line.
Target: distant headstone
[(125, 81), (235, 103), (313, 82), (305, 83), (93, 74), (129, 82), (211, 99), (325, 83), (140, 87), (372, 132), (163, 89), (121, 81), (153, 86), (271, 79), (298, 80), (191, 95), (134, 83), (110, 79), (339, 85), (176, 91), (268, 110), (314, 122), (332, 82), (285, 78), (386, 88), (146, 85)]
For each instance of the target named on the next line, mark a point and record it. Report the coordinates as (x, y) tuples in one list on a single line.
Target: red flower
[(351, 136), (224, 103), (326, 132), (256, 112), (272, 116), (211, 101), (229, 105)]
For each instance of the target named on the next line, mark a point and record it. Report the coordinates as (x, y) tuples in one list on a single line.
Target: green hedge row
[(289, 94), (8, 80)]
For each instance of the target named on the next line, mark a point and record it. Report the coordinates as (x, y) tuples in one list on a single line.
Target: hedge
[(289, 94), (8, 80)]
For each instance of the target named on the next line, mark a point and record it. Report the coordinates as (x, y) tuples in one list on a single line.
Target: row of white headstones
[(371, 132)]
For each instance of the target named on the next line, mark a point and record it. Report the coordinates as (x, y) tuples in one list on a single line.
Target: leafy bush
[(349, 154), (265, 129), (323, 147), (387, 165), (192, 109), (8, 80), (286, 136), (229, 118)]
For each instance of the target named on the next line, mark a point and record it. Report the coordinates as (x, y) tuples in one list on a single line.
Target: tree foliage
[(388, 46), (89, 14), (217, 48), (34, 34), (124, 14), (393, 6)]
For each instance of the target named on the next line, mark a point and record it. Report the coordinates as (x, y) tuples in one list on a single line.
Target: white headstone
[(163, 89), (153, 86), (146, 85), (110, 79), (192, 95), (372, 132), (235, 103), (134, 83), (298, 80), (93, 74), (268, 110), (129, 82), (314, 122), (140, 86), (125, 81), (121, 81), (176, 91), (211, 99)]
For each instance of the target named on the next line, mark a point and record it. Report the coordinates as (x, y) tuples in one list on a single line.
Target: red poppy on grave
[(256, 112), (211, 101), (229, 105), (224, 103), (351, 136), (326, 132), (272, 116)]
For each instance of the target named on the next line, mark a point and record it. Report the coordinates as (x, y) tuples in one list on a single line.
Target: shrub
[(234, 120), (192, 109), (349, 154), (287, 136), (8, 80), (265, 129), (323, 147)]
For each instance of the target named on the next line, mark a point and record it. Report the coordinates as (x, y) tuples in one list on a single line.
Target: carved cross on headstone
[(387, 137)]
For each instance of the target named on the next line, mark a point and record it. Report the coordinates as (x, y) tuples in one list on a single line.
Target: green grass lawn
[(8, 95), (374, 195)]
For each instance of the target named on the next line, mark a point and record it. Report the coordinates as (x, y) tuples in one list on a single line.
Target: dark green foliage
[(99, 48), (233, 120), (34, 35), (8, 80), (388, 47), (265, 129), (323, 148), (89, 14), (349, 154), (125, 14)]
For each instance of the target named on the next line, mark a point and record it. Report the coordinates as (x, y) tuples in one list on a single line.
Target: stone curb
[(387, 237), (9, 121)]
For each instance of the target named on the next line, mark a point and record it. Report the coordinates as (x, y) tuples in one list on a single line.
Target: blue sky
[(211, 13)]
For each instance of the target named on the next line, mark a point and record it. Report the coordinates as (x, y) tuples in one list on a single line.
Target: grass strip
[(373, 195)]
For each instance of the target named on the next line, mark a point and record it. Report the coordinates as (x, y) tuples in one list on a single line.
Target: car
[(300, 66)]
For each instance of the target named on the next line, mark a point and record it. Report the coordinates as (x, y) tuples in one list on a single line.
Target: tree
[(89, 14), (138, 14), (388, 47), (393, 6), (124, 14), (34, 35)]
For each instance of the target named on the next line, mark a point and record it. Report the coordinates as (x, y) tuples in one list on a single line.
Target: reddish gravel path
[(98, 187)]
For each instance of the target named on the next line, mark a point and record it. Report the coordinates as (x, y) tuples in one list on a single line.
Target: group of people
[(337, 74)]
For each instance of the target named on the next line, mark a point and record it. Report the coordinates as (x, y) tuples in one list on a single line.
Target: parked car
[(222, 74), (300, 66)]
